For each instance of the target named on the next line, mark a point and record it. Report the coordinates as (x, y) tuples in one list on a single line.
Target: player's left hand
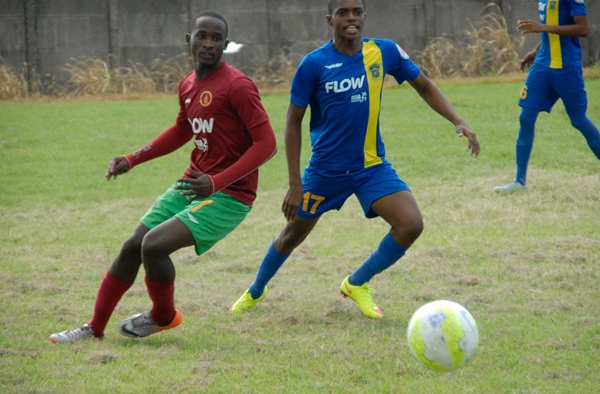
[(194, 188), (473, 146)]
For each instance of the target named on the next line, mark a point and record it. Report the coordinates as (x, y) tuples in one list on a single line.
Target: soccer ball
[(442, 335)]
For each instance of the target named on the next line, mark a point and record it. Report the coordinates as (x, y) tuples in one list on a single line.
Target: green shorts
[(209, 219)]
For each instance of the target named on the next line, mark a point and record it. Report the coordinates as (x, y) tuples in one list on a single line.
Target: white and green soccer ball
[(443, 335)]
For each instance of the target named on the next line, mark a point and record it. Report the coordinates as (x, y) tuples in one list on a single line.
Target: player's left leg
[(576, 107), (571, 88), (157, 245), (400, 210), (589, 131), (383, 193)]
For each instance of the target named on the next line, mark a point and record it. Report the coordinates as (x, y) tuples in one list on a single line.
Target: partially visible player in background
[(342, 82), (220, 109), (556, 72)]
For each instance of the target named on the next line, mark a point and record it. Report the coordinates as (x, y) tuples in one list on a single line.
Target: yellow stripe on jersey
[(374, 69), (555, 49)]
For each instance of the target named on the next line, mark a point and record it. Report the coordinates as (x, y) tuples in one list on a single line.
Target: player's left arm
[(263, 148), (204, 185), (438, 102), (579, 29)]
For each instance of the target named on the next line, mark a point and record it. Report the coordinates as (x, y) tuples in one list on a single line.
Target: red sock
[(109, 294), (162, 295)]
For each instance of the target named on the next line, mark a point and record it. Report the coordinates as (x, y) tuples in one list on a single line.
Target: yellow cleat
[(362, 296), (246, 302)]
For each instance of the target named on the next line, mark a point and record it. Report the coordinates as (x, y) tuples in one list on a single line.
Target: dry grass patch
[(487, 49)]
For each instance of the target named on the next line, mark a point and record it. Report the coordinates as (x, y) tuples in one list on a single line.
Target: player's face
[(207, 41), (347, 18)]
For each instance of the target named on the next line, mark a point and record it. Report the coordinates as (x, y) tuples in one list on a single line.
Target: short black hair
[(330, 4), (211, 14)]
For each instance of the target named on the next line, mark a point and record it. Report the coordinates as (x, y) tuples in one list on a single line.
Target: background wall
[(42, 35)]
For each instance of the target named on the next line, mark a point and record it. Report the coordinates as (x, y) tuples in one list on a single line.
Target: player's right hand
[(116, 166), (291, 202)]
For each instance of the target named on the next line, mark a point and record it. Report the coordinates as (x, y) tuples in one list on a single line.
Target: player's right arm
[(293, 147), (529, 57), (166, 142)]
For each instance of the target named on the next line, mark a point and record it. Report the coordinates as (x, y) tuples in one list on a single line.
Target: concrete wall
[(45, 34)]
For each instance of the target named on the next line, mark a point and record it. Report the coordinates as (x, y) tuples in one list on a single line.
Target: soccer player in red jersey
[(220, 109)]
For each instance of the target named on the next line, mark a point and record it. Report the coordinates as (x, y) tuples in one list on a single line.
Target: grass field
[(525, 265)]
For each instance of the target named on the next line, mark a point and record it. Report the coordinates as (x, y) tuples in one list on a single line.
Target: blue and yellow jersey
[(344, 95), (560, 51)]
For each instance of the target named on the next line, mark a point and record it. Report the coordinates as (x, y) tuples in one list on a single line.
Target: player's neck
[(346, 46), (204, 71)]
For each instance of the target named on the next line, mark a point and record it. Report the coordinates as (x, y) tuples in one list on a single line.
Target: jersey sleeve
[(401, 67), (578, 8), (166, 142), (304, 82), (263, 148), (245, 99)]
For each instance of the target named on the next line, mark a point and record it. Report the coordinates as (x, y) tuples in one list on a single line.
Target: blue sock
[(267, 270), (589, 131), (387, 253), (525, 142)]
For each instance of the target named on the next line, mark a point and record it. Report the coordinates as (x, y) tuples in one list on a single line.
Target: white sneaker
[(511, 187), (77, 334)]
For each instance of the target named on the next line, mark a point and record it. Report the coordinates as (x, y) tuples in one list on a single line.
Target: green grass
[(525, 265)]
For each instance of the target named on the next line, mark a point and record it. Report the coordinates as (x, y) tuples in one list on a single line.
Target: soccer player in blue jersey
[(342, 83), (556, 72)]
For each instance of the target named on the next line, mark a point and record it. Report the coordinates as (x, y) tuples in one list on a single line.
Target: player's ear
[(226, 44), (187, 37)]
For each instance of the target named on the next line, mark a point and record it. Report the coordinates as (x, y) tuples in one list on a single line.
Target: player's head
[(332, 4), (347, 18), (207, 39), (209, 14)]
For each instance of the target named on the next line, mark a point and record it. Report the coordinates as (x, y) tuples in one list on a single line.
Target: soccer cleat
[(77, 334), (362, 296), (511, 187), (142, 325), (246, 302)]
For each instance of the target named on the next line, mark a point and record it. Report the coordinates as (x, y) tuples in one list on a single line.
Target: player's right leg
[(292, 235), (537, 95), (115, 283)]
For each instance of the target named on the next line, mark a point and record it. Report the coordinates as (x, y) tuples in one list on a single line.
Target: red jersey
[(230, 127)]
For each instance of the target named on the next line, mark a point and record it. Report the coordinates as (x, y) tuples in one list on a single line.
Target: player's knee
[(152, 246), (579, 122), (415, 228), (287, 241), (132, 245), (411, 230), (527, 119)]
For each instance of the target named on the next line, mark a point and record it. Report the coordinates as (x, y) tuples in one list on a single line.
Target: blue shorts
[(324, 192), (545, 85)]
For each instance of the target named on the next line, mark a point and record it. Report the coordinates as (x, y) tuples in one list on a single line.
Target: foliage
[(486, 49)]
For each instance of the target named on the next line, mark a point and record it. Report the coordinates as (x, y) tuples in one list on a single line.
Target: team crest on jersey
[(205, 98), (552, 5), (375, 70)]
